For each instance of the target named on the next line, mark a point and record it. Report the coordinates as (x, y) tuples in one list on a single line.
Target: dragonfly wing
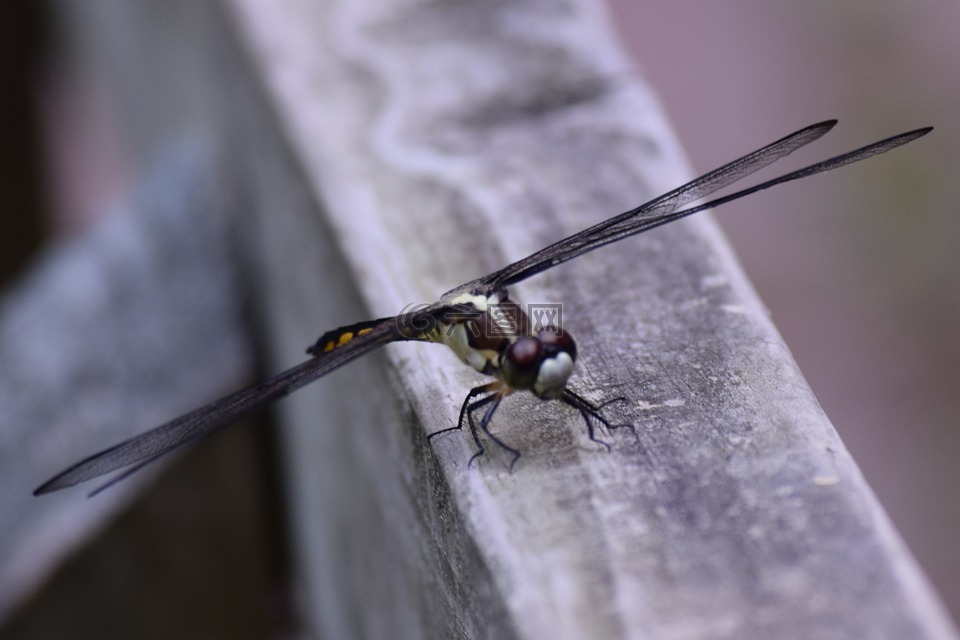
[(641, 224), (659, 207), (200, 423), (664, 209)]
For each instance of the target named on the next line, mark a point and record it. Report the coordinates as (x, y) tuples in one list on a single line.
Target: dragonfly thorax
[(493, 335)]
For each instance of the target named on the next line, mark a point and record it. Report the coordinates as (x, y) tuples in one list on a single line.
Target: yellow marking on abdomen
[(344, 338)]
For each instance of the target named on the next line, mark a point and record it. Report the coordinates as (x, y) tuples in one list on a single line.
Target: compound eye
[(521, 362), (525, 352), (556, 340)]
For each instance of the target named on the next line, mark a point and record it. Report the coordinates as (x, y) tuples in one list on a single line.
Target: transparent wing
[(665, 208), (137, 452)]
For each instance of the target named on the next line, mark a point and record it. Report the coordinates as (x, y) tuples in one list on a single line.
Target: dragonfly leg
[(476, 391), (591, 412), (494, 401), (496, 393)]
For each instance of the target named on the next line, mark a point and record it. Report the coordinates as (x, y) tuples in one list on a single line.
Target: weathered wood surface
[(388, 151), (107, 335)]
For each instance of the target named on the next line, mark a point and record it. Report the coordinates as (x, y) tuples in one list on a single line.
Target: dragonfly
[(479, 322)]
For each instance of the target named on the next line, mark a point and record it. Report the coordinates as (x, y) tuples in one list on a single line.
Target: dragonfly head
[(540, 363)]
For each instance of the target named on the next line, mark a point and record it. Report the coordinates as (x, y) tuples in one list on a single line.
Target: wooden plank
[(388, 152), (735, 510), (459, 137)]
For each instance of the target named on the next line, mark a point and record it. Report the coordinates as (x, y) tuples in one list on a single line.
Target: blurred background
[(861, 270)]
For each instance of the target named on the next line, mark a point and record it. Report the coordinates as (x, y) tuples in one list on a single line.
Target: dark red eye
[(555, 339), (521, 363), (524, 352)]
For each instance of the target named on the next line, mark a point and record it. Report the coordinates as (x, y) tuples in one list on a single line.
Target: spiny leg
[(468, 409), (485, 426), (497, 392), (490, 387), (591, 412)]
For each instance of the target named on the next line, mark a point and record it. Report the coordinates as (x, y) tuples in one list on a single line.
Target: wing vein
[(209, 419)]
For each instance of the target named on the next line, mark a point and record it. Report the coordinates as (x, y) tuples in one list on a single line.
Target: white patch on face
[(553, 375)]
